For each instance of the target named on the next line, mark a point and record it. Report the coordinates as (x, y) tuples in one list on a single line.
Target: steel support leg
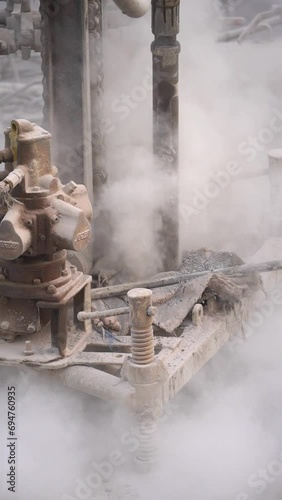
[(145, 374), (65, 65)]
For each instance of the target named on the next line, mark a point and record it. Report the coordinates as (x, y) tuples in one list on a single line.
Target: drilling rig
[(53, 316)]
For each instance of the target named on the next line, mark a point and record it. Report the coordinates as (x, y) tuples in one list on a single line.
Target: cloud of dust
[(225, 439), (221, 437), (230, 114)]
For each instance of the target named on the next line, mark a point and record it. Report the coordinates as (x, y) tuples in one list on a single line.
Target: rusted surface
[(19, 29), (173, 360), (12, 353), (119, 325), (40, 219), (66, 84)]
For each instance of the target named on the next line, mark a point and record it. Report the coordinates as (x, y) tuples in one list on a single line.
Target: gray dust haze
[(229, 95), (220, 438)]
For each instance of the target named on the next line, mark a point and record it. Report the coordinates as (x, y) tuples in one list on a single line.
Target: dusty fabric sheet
[(171, 314)]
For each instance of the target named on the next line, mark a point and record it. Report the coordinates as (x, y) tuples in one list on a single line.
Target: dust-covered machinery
[(40, 220), (50, 319)]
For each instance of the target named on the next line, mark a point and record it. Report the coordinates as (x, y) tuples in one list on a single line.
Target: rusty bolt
[(70, 325), (28, 348), (32, 167), (2, 277), (51, 289), (73, 269), (5, 325), (54, 219), (36, 281), (151, 311), (197, 314), (65, 272), (70, 187), (31, 328)]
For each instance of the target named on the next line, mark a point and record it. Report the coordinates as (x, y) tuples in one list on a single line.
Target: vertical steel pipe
[(165, 50), (143, 374), (66, 88), (95, 13)]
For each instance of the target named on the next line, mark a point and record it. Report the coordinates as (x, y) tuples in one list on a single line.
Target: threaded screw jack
[(142, 336)]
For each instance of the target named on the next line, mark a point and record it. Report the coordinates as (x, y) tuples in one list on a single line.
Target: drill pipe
[(165, 51)]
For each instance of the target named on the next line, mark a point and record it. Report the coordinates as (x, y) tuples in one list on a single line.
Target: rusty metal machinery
[(19, 29), (40, 220), (69, 35), (166, 327), (175, 325)]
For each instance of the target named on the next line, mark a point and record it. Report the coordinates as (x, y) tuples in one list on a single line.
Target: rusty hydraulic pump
[(40, 220)]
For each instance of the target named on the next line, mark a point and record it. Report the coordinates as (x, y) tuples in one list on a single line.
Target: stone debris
[(120, 324), (208, 260)]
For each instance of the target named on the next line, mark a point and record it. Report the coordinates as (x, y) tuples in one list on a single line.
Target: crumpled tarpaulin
[(184, 296), (171, 314)]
